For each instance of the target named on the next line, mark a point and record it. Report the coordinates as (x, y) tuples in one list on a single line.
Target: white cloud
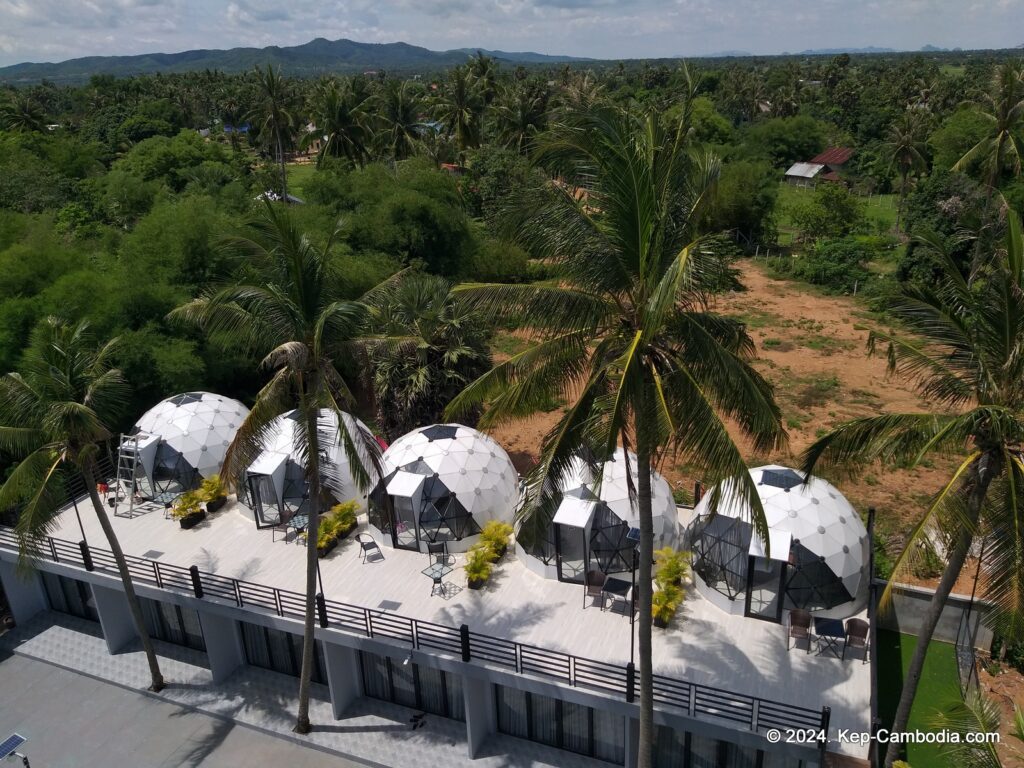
[(34, 30)]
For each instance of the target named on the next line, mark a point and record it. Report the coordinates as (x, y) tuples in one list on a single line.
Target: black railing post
[(826, 716), (464, 640), (630, 682), (53, 549), (197, 585), (86, 555), (876, 724), (698, 492), (321, 609)]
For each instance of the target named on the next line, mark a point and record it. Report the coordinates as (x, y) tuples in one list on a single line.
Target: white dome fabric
[(815, 514), (468, 463), (336, 471), (199, 426), (614, 492)]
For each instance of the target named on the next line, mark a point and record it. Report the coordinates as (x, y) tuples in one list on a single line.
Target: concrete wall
[(24, 591), (115, 617), (909, 604), (224, 648)]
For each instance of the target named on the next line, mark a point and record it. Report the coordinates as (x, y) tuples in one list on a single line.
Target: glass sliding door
[(562, 724), (172, 624), (572, 553), (765, 579), (279, 651), (69, 596), (411, 685)]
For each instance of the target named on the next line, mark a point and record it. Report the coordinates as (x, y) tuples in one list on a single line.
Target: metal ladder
[(124, 477)]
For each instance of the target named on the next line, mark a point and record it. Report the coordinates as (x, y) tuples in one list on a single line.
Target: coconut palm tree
[(521, 113), (905, 147), (341, 118), (1003, 108), (282, 307), (436, 345), (398, 109), (459, 107), (22, 113), (625, 336), (54, 417), (274, 115), (966, 357)]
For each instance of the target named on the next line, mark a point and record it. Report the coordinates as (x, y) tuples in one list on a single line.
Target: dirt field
[(812, 348)]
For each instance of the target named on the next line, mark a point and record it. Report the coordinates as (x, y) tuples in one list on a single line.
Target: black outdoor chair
[(595, 586), (857, 636), (367, 547), (438, 551), (799, 627)]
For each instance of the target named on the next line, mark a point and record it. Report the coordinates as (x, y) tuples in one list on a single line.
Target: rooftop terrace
[(703, 645)]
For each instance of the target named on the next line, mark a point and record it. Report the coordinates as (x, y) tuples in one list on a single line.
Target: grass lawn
[(298, 175), (939, 687), (880, 210)]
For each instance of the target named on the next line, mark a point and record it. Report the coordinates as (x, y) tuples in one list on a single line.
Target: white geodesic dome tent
[(276, 481), (443, 483), (603, 514), (183, 439), (817, 544)]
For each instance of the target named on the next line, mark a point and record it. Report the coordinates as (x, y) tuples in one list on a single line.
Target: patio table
[(298, 523), (437, 571), (829, 632)]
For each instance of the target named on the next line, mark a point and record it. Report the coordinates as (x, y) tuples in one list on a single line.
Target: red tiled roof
[(831, 176), (834, 156)]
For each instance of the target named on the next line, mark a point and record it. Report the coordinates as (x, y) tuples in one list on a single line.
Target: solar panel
[(633, 534), (10, 744)]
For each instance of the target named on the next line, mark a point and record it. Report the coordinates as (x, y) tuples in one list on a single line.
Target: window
[(679, 748), (279, 651), (70, 596), (412, 685), (172, 624), (561, 724)]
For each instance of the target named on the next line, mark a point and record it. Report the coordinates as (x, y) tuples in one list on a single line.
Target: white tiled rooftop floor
[(703, 645)]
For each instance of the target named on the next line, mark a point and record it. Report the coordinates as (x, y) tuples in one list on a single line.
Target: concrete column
[(343, 676), (632, 741), (481, 714), (224, 648), (24, 592), (115, 617)]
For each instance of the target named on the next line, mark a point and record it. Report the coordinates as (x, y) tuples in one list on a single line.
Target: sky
[(55, 30)]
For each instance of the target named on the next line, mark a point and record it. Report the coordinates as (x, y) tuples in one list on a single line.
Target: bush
[(479, 562), (671, 567), (495, 535), (832, 212), (665, 602), (837, 265), (189, 503), (212, 488), (498, 261)]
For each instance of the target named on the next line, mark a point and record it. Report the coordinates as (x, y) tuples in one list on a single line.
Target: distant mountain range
[(311, 58)]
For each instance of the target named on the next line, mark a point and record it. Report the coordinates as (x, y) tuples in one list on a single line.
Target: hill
[(315, 57)]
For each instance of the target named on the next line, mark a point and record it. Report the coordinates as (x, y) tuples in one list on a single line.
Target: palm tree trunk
[(646, 555), (302, 724), (284, 173), (984, 470), (89, 474), (903, 197)]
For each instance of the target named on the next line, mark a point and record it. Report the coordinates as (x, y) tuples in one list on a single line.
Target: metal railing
[(695, 700)]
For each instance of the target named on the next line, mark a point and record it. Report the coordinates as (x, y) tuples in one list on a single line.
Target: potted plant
[(188, 509), (327, 535), (214, 493), (671, 566), (344, 515), (479, 565), (664, 604), (495, 535)]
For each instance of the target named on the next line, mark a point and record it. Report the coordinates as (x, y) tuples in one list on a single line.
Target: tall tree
[(433, 345), (274, 114), (521, 113), (54, 417), (1003, 108), (967, 357), (341, 121), (459, 107), (22, 113), (625, 336), (398, 111), (905, 147), (283, 308)]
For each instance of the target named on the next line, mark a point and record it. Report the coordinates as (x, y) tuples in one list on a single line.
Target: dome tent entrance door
[(766, 574)]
